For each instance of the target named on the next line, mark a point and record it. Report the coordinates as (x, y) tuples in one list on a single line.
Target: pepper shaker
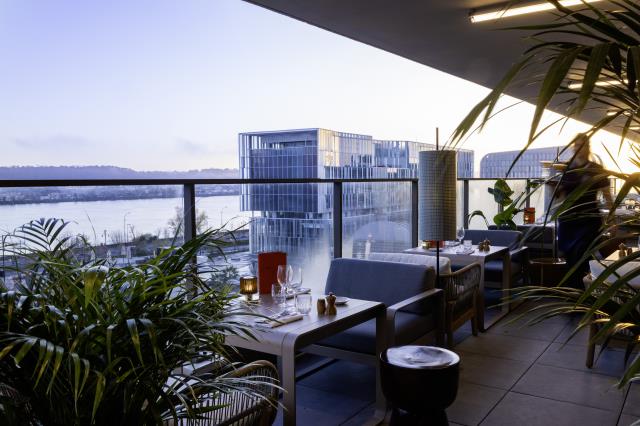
[(331, 304)]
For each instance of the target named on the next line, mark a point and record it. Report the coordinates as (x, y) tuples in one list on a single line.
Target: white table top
[(450, 252), (270, 339), (616, 256)]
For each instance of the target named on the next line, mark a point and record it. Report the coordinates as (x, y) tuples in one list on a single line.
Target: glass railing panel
[(376, 217), (292, 218), (480, 199), (124, 224)]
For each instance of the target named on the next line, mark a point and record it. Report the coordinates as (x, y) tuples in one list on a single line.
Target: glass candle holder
[(249, 288)]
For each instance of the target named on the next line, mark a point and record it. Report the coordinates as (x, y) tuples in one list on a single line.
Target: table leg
[(506, 280), (288, 382), (480, 300), (381, 346)]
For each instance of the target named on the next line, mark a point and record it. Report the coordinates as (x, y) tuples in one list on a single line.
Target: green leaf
[(135, 338), (97, 399)]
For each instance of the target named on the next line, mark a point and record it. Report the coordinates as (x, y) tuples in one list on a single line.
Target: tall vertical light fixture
[(437, 182)]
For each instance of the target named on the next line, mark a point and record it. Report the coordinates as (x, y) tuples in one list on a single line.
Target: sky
[(168, 85)]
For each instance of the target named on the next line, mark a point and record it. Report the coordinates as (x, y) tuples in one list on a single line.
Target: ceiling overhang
[(436, 33)]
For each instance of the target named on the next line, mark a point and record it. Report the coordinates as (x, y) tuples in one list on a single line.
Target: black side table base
[(432, 418)]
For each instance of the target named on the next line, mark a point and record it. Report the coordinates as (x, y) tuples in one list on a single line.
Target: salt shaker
[(322, 306)]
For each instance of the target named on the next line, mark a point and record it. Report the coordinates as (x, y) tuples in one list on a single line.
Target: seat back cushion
[(598, 266), (414, 259), (497, 237), (386, 282)]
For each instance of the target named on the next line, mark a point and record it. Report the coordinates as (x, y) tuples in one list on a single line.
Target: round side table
[(419, 382)]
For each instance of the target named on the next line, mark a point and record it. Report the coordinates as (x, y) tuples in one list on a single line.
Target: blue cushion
[(386, 282), (362, 338)]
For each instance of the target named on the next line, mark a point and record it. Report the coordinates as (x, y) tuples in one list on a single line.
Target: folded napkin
[(278, 321), (465, 250)]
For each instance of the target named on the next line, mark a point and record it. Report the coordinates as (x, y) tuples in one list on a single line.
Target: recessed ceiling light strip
[(509, 10)]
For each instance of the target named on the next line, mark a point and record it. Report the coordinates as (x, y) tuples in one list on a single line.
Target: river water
[(99, 219)]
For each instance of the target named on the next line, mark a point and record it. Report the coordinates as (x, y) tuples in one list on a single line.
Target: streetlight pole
[(124, 228), (221, 210)]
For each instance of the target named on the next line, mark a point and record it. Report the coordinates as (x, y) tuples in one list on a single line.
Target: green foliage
[(589, 46), (98, 344), (502, 194)]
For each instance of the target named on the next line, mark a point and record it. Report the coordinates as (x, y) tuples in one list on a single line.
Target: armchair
[(415, 309), (519, 254), (243, 408), (460, 289)]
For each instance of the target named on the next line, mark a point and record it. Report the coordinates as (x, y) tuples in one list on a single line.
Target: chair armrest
[(462, 281), (434, 293), (518, 251)]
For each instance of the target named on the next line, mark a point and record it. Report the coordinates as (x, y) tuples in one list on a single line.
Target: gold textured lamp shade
[(249, 288), (437, 183)]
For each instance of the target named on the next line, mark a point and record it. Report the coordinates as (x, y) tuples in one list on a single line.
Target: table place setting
[(277, 320)]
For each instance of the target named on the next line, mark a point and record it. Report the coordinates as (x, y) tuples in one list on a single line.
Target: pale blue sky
[(167, 84)]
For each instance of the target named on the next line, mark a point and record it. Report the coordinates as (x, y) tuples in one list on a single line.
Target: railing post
[(337, 219), (465, 203), (414, 213), (189, 211)]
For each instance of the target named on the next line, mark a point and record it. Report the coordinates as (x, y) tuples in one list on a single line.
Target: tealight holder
[(249, 288)]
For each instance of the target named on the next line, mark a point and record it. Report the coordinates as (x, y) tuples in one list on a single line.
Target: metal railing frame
[(189, 196)]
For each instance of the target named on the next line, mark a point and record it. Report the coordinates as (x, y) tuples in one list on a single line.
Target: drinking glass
[(278, 293), (460, 234), (467, 244), (303, 303)]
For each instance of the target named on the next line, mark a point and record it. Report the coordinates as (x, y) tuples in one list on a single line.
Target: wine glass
[(460, 234), (296, 278), (284, 276)]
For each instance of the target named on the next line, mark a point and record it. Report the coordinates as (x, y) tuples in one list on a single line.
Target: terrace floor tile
[(519, 409), (496, 345), (490, 371), (561, 384), (610, 362), (473, 403)]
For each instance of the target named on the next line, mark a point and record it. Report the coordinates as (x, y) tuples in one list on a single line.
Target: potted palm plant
[(587, 60), (109, 345)]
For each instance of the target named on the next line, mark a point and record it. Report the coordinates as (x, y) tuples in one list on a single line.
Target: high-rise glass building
[(496, 164), (297, 218)]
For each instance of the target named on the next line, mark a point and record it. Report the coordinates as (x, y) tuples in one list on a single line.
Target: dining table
[(287, 340)]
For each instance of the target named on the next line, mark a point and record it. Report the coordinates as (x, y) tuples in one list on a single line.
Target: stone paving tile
[(627, 419), (547, 330), (632, 403), (315, 407), (345, 378), (526, 410), (473, 403), (610, 362), (490, 371), (515, 348), (561, 384)]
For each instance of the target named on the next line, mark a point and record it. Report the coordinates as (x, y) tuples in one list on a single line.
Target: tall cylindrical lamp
[(437, 183)]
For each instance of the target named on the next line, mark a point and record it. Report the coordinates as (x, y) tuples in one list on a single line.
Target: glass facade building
[(496, 164), (297, 218)]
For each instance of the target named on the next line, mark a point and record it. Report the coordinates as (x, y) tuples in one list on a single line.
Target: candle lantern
[(249, 288)]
